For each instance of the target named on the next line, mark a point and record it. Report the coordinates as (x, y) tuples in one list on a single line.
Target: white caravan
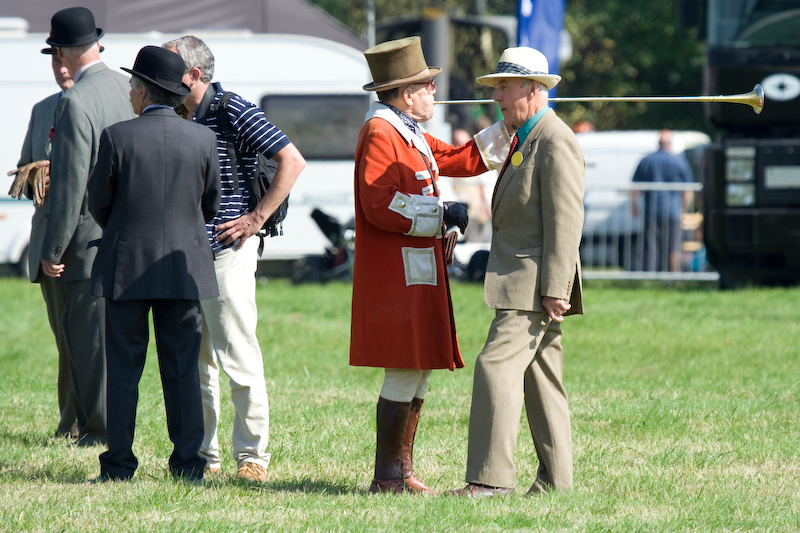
[(309, 87)]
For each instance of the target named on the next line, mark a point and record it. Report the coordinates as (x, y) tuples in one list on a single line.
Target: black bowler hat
[(73, 26), (51, 51), (160, 67)]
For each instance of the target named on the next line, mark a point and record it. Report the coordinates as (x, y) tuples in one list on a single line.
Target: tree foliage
[(631, 49), (620, 48)]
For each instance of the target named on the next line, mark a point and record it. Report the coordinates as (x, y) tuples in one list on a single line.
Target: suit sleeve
[(101, 190), (562, 189), (70, 161), (26, 155)]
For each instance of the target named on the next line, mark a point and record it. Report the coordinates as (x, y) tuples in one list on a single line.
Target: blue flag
[(539, 24)]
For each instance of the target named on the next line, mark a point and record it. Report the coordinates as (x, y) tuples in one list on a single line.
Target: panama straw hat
[(397, 63), (522, 62)]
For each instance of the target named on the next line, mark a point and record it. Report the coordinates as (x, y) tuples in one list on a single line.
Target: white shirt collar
[(379, 110), (81, 70)]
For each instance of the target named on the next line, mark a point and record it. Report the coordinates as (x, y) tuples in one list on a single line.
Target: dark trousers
[(178, 329), (83, 320), (662, 237)]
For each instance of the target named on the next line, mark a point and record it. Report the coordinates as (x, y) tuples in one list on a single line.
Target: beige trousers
[(521, 363), (230, 344)]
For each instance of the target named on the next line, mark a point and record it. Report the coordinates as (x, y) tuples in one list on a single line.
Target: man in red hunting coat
[(402, 317)]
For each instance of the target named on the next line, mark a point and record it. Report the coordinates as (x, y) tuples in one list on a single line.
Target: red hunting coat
[(402, 315)]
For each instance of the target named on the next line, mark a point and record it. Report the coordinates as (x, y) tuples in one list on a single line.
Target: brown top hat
[(397, 63)]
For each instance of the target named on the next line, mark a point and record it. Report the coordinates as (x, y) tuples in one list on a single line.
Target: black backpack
[(265, 173)]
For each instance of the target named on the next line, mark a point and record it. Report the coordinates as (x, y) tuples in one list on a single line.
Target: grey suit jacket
[(537, 220), (155, 185), (98, 99), (37, 148)]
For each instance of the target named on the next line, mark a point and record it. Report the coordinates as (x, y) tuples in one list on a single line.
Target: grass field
[(684, 403)]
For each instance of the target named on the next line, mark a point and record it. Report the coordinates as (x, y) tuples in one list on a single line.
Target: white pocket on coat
[(419, 265)]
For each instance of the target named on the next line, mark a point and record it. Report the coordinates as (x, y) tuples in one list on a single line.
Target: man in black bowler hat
[(98, 99), (35, 157), (154, 187)]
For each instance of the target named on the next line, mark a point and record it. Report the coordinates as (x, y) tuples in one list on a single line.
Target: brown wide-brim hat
[(397, 63)]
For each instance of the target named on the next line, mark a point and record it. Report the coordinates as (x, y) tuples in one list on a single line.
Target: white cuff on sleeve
[(493, 143), (425, 213)]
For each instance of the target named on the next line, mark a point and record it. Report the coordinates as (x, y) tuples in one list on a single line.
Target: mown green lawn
[(684, 403)]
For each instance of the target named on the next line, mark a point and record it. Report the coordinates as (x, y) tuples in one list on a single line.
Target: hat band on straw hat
[(513, 68)]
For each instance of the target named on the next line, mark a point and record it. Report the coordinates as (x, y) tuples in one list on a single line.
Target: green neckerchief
[(526, 128)]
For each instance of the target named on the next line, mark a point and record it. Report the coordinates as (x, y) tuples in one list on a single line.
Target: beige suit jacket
[(537, 219)]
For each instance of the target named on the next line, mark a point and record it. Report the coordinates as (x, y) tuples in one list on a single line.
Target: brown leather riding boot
[(413, 483), (391, 426)]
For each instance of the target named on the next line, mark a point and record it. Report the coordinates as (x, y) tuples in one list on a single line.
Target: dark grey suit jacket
[(154, 187), (98, 99), (37, 148)]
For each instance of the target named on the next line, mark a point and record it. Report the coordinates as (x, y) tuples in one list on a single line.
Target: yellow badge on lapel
[(516, 159)]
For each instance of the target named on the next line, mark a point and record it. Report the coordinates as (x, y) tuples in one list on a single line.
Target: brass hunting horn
[(754, 99)]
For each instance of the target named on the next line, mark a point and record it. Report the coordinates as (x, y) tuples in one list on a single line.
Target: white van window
[(322, 126)]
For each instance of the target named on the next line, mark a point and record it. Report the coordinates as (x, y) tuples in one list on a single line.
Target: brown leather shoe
[(474, 490), (539, 487), (250, 471), (417, 486)]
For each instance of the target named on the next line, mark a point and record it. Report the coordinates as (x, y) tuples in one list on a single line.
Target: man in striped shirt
[(229, 321)]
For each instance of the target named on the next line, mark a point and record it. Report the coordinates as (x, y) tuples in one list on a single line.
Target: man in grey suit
[(155, 185), (36, 152), (532, 281), (98, 99)]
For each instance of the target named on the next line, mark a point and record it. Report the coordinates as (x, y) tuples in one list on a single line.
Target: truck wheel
[(729, 281)]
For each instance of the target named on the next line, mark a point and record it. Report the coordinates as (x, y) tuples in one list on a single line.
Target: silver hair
[(156, 94), (195, 54), (74, 52)]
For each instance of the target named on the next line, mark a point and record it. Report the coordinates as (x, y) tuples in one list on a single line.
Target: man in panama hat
[(532, 281), (402, 316), (98, 99), (154, 187)]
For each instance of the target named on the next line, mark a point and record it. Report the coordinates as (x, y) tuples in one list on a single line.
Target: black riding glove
[(455, 214)]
